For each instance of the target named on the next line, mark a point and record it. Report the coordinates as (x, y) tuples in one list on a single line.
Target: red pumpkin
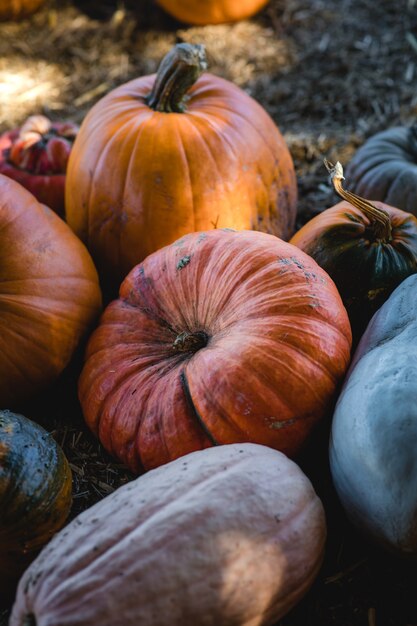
[(367, 248), (166, 155), (211, 11), (221, 337), (36, 155), (17, 9), (49, 293)]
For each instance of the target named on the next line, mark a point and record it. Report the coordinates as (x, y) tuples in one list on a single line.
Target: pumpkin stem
[(190, 342), (29, 620), (178, 71), (380, 219)]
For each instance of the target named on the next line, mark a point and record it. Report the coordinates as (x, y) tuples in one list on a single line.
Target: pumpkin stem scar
[(29, 620), (380, 219), (177, 73), (191, 405), (190, 342)]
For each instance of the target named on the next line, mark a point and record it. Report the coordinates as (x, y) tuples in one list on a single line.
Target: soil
[(330, 74)]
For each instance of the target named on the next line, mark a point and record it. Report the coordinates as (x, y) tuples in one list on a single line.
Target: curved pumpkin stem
[(380, 219), (178, 71)]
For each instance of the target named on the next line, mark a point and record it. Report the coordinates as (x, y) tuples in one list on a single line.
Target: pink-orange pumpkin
[(166, 155), (218, 338), (231, 536), (211, 11)]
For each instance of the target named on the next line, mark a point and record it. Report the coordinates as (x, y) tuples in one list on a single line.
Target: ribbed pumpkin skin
[(385, 168), (232, 535), (374, 430), (278, 344), (17, 9), (139, 179), (35, 495), (49, 293), (211, 11), (365, 272)]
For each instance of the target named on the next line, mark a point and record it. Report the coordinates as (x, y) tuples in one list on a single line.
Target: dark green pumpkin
[(35, 495), (385, 168), (367, 249)]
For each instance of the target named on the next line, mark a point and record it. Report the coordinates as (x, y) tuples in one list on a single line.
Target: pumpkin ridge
[(249, 122), (92, 171), (193, 408), (298, 350), (188, 170), (92, 558), (126, 170)]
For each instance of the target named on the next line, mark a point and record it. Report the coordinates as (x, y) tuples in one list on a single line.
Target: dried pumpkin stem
[(379, 218), (190, 342), (178, 71)]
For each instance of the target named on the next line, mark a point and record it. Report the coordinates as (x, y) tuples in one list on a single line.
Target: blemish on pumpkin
[(229, 230), (278, 425), (183, 262)]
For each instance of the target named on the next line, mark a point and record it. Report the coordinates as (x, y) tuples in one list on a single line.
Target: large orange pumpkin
[(49, 293), (17, 9), (211, 11), (221, 337), (163, 156)]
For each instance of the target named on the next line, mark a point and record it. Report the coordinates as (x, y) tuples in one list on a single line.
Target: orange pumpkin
[(221, 337), (163, 156), (49, 293), (17, 9), (211, 11)]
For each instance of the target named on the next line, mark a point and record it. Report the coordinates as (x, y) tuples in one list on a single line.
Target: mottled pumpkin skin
[(211, 11), (365, 271), (374, 431), (230, 535), (18, 9), (49, 294), (385, 168), (139, 179), (272, 341), (35, 495), (38, 161)]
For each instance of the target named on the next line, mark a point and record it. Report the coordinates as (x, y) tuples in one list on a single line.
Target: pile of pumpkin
[(220, 348)]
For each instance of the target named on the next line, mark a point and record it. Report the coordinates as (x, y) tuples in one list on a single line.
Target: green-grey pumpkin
[(373, 448)]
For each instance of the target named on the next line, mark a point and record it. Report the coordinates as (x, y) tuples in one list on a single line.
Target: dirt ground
[(330, 73)]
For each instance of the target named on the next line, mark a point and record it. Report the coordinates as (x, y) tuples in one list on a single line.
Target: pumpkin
[(385, 168), (35, 495), (211, 11), (367, 248), (17, 9), (230, 535), (221, 337), (163, 156), (36, 155), (374, 430), (49, 293)]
